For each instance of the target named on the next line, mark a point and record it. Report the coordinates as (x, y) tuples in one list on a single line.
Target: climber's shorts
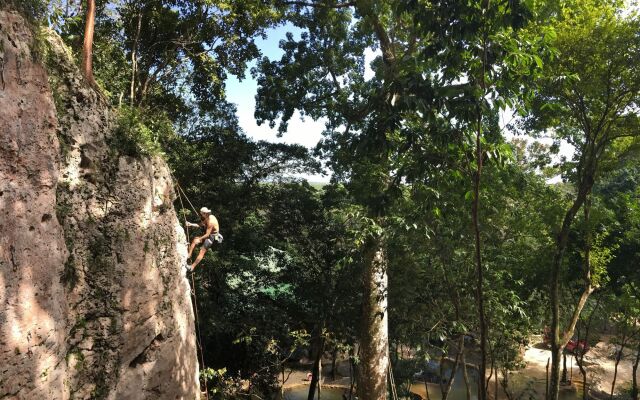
[(214, 237)]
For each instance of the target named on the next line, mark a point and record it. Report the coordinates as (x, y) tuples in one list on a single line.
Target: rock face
[(93, 300)]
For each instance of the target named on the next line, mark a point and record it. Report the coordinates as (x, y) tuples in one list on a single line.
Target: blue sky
[(242, 93), (306, 132)]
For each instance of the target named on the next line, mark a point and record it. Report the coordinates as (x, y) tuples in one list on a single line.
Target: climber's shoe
[(187, 268)]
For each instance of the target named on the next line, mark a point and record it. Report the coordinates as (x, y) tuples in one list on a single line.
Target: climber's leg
[(198, 259), (193, 245)]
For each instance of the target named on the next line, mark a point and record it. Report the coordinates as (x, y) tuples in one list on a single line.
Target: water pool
[(301, 392)]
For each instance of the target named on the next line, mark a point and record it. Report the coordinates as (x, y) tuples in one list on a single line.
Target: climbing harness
[(193, 283)]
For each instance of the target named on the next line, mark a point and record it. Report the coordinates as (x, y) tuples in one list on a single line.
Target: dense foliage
[(448, 211)]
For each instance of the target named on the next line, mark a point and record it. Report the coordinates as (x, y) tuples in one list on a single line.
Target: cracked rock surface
[(93, 301)]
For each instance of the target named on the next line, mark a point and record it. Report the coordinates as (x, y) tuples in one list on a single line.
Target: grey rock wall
[(93, 300)]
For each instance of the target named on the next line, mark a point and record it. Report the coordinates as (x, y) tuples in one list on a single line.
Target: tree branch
[(566, 336)]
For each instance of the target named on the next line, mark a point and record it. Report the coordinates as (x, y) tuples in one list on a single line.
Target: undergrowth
[(138, 133)]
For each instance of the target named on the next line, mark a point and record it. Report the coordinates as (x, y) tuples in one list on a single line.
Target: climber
[(212, 234)]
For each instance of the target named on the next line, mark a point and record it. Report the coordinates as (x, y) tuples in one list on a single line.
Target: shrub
[(137, 134), (221, 385)]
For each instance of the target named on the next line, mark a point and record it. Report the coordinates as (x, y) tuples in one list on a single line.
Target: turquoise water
[(301, 392), (458, 392), (521, 387), (458, 389)]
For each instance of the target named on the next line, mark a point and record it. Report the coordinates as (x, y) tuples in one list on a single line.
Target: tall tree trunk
[(559, 340), (587, 270), (546, 389), (334, 356), (493, 361), (583, 372), (578, 353), (87, 48), (442, 378), (284, 380), (634, 376), (426, 387), (495, 383), (505, 385), (374, 334), (134, 59), (482, 384), (445, 389), (554, 384), (316, 371), (352, 373), (320, 374), (482, 392), (465, 375), (615, 368)]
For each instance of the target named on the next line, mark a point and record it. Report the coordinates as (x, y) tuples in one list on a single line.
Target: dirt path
[(599, 364), (530, 382)]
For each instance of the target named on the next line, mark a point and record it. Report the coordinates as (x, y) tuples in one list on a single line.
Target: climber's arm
[(196, 239)]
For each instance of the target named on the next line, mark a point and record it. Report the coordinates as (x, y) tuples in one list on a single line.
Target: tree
[(169, 56), (190, 42), (587, 96), (495, 59), (87, 47), (376, 126), (619, 191), (625, 316), (322, 74)]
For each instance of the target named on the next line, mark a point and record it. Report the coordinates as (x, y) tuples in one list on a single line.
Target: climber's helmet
[(204, 211)]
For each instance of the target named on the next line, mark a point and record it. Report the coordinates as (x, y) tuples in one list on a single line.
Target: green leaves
[(577, 88), (138, 133), (469, 196), (538, 61)]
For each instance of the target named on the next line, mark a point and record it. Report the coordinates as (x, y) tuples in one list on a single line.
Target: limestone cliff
[(93, 301)]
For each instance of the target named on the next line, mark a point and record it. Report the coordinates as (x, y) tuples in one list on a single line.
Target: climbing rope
[(392, 381), (199, 338), (186, 197), (193, 283)]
